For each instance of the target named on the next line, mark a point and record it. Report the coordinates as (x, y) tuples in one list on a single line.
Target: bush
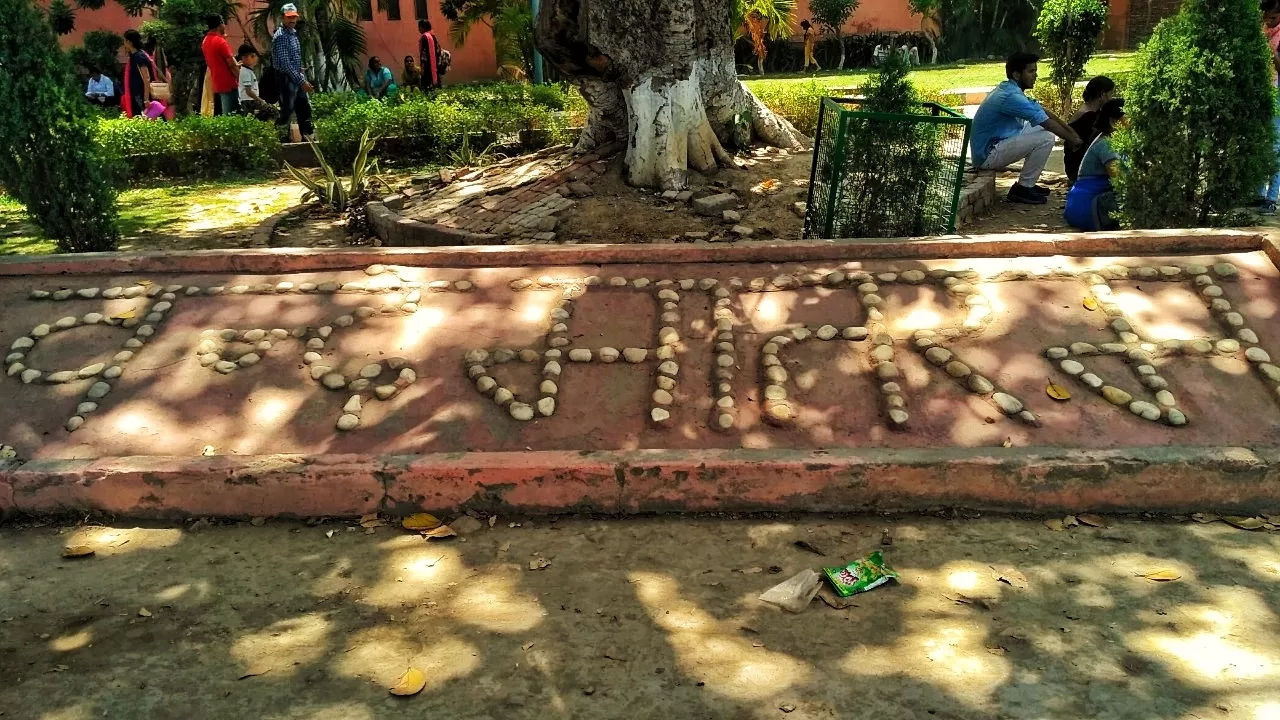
[(326, 104), (101, 50), (430, 129), (1068, 30), (796, 101), (193, 146), (1200, 103), (47, 156)]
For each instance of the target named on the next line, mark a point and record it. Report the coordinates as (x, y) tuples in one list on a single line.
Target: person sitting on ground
[(915, 55), (251, 103), (412, 75), (1009, 126), (1091, 204), (878, 55), (101, 91), (1096, 94), (810, 39), (378, 82)]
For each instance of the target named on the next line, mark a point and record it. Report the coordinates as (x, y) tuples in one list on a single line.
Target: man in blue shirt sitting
[(1010, 126)]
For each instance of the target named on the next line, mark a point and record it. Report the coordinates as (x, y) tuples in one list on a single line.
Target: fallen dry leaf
[(1093, 520), (1090, 304), (808, 547), (1161, 575), (258, 521), (438, 533), (410, 683), (1057, 392), (1070, 521), (1244, 523), (493, 520), (420, 521), (144, 283), (1055, 525), (329, 534), (525, 647), (207, 451), (254, 672), (1011, 577), (539, 563), (144, 613), (1205, 517), (371, 521), (77, 551), (126, 315)]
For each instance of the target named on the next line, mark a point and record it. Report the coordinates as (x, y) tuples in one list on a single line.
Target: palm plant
[(332, 39), (761, 20), (511, 22)]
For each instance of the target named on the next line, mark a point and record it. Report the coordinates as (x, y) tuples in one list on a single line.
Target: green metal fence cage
[(885, 174)]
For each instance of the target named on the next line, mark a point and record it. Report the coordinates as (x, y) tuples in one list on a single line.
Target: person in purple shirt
[(1009, 126)]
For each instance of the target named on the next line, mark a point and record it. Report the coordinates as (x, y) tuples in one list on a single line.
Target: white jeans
[(1033, 146)]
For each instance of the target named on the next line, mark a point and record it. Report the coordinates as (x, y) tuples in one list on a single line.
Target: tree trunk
[(658, 75), (840, 42)]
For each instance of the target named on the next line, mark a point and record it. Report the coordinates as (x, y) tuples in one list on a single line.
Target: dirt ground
[(619, 213), (639, 618)]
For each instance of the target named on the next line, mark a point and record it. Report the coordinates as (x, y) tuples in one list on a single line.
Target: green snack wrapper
[(860, 575)]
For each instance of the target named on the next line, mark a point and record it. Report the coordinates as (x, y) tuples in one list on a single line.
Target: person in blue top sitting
[(1009, 126), (1091, 204)]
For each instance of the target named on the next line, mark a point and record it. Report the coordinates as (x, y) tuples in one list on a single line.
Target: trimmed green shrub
[(193, 146), (47, 156), (1068, 30), (796, 101), (1200, 104), (101, 50)]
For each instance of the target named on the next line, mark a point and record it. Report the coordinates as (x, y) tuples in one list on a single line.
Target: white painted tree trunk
[(659, 76)]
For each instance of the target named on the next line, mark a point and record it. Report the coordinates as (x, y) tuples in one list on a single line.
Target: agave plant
[(329, 189)]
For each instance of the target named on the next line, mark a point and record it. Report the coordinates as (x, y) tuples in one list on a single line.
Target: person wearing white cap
[(286, 57)]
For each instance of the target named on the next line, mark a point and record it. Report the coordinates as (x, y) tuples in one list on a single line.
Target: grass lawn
[(181, 216), (935, 79)]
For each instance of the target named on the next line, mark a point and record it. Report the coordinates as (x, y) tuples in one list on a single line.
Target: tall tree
[(930, 25), (48, 158), (832, 16), (659, 75)]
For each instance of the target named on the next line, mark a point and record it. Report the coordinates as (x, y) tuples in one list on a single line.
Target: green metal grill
[(884, 174)]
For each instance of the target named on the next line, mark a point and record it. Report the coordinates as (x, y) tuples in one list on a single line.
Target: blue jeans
[(294, 101), (228, 102)]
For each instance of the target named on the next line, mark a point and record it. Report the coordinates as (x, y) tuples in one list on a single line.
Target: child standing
[(250, 102)]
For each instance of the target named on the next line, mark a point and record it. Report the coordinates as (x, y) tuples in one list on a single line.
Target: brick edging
[(263, 231), (291, 260), (1158, 479), (396, 230)]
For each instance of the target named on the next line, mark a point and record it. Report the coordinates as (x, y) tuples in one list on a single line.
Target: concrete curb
[(1172, 480), (396, 230), (296, 260)]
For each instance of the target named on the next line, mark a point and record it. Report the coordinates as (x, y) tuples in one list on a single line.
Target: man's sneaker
[(1026, 196), (1043, 190), (1268, 208)]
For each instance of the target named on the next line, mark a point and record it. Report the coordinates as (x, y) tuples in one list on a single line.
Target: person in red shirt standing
[(223, 69), (428, 56)]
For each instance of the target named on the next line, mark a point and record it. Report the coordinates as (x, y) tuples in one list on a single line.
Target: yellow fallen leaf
[(371, 521), (1205, 517), (1090, 304), (126, 315), (420, 521), (77, 551), (1057, 392), (410, 683), (1055, 525), (1161, 575), (207, 451), (144, 613), (1244, 523), (1092, 520), (437, 533), (1070, 521)]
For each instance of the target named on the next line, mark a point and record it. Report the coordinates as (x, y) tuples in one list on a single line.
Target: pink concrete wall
[(886, 15), (391, 40)]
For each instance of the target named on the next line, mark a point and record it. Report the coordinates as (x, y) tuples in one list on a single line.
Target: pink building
[(390, 35)]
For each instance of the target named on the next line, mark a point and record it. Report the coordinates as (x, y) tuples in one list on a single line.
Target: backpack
[(269, 85)]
